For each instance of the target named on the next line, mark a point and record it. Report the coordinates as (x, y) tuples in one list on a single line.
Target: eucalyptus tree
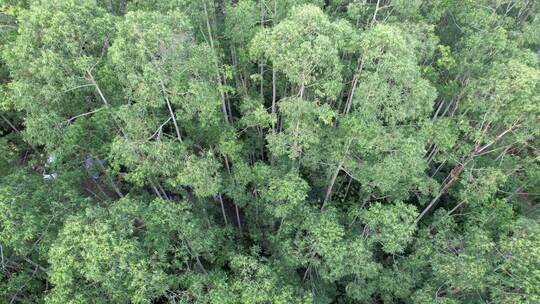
[(97, 247), (33, 211), (305, 47), (54, 63), (172, 106), (493, 108), (386, 123)]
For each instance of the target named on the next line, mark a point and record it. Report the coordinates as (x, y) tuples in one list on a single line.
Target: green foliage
[(58, 44), (303, 121), (269, 151), (305, 46), (287, 191), (200, 174), (150, 48), (257, 282), (391, 72), (33, 209), (98, 247), (391, 225)]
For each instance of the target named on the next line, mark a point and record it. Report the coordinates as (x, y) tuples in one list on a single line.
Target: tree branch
[(83, 114), (170, 111), (9, 123)]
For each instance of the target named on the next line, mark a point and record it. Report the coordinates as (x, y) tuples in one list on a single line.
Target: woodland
[(270, 151)]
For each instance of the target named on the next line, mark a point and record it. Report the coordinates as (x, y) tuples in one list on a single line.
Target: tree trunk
[(220, 83), (348, 105), (329, 189), (456, 172), (178, 136), (222, 208), (273, 98)]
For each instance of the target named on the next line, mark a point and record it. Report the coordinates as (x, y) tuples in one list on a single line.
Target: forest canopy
[(269, 151)]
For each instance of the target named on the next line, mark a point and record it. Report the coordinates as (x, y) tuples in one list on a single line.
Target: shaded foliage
[(269, 151)]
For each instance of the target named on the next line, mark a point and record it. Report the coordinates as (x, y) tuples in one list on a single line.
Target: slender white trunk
[(273, 98), (222, 208), (376, 11), (331, 186), (178, 136), (220, 83)]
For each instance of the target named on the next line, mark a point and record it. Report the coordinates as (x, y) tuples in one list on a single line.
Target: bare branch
[(83, 114), (9, 123), (159, 128), (170, 110)]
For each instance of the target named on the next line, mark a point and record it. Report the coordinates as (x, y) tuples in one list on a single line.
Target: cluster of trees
[(269, 151)]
